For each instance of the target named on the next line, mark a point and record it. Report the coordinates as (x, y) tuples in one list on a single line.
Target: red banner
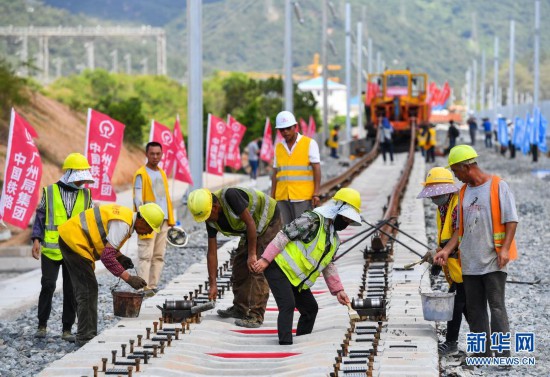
[(22, 174), (312, 127), (216, 147), (183, 173), (162, 134), (267, 151), (233, 158), (103, 144)]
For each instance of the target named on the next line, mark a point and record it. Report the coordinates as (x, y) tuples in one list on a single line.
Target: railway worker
[(253, 216), (60, 201), (472, 128), (294, 273), (386, 143), (333, 141), (439, 187), (487, 224), (296, 178), (151, 186), (488, 130), (431, 142), (98, 234)]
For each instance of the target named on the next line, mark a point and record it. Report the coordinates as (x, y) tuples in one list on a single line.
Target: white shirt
[(118, 231), (313, 153), (157, 183)]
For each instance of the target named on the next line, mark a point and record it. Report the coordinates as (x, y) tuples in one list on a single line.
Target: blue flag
[(525, 142), (518, 132), (542, 134), (502, 131)]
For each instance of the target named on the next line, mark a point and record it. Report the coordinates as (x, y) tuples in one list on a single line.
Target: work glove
[(125, 262), (136, 282)]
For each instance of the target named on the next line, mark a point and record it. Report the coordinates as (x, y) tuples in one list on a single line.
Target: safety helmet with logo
[(350, 196), (76, 161), (152, 214), (285, 119), (200, 204), (461, 153), (439, 181)]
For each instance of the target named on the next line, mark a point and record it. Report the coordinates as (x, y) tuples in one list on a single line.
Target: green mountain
[(440, 37)]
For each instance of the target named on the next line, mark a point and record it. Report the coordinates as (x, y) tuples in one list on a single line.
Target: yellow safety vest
[(86, 234), (331, 142), (56, 214), (148, 196), (260, 206), (453, 269), (294, 172), (302, 263)]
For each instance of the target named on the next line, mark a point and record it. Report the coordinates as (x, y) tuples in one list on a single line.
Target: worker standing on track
[(486, 228), (441, 190), (296, 176), (98, 234), (61, 201), (151, 186), (302, 251), (333, 141), (431, 142), (253, 216)]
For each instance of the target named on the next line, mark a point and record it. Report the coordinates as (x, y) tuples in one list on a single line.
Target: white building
[(336, 95)]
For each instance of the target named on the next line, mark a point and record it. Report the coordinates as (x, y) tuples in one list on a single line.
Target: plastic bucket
[(438, 306), (127, 304)]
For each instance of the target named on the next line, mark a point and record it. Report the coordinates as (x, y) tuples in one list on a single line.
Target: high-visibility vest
[(56, 214), (260, 206), (453, 269), (332, 143), (302, 263), (148, 195), (433, 141), (294, 172), (499, 229), (86, 234)]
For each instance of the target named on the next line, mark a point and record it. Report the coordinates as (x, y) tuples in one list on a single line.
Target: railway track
[(390, 338)]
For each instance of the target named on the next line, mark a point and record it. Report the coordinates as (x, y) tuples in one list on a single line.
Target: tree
[(12, 90), (128, 112)]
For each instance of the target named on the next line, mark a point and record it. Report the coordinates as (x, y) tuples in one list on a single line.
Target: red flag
[(304, 127), (267, 151), (312, 127), (444, 94), (162, 134), (22, 174), (216, 147), (233, 158), (372, 91), (103, 144), (183, 173)]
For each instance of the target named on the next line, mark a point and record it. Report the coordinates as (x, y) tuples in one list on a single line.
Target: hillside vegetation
[(440, 37)]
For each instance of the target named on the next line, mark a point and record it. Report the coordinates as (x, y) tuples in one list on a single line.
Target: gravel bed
[(528, 306), (23, 355)]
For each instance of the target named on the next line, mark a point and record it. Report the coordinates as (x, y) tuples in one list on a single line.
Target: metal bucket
[(127, 304), (438, 306)]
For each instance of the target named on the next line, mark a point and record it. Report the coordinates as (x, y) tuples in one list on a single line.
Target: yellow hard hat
[(461, 153), (438, 175), (153, 215), (200, 204), (350, 196), (76, 161)]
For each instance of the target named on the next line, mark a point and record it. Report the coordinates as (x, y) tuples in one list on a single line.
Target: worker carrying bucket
[(299, 253), (98, 234), (440, 188)]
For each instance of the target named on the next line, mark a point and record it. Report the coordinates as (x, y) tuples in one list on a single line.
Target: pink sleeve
[(108, 257), (330, 273), (275, 247)]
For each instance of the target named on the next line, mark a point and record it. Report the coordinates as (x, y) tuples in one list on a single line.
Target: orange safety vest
[(294, 172), (86, 234), (148, 196), (499, 229)]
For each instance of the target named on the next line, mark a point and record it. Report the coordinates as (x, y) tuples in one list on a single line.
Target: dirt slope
[(60, 132)]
